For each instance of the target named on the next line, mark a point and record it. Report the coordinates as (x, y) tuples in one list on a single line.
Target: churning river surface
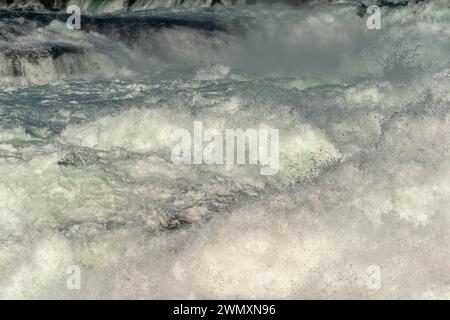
[(86, 176)]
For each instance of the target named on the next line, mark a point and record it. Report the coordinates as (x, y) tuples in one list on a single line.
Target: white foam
[(364, 176)]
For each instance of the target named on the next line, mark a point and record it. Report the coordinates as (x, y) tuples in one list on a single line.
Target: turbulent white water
[(87, 180), (103, 5)]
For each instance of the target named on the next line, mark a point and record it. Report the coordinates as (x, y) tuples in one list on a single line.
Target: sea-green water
[(86, 176)]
